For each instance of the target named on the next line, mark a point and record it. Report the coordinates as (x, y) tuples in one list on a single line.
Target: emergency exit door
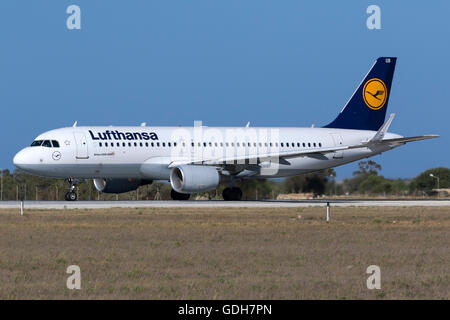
[(338, 142)]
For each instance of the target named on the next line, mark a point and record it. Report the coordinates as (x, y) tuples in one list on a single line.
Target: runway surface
[(222, 204)]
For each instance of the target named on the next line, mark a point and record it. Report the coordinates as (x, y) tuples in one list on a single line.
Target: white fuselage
[(146, 152)]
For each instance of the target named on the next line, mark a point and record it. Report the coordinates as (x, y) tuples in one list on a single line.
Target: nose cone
[(19, 159), (22, 159)]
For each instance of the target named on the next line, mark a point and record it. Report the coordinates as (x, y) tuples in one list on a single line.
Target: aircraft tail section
[(366, 109)]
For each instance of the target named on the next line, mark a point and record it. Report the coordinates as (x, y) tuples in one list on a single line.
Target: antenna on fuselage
[(248, 124), (75, 124)]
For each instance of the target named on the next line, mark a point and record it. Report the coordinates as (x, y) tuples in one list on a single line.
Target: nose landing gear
[(71, 195)]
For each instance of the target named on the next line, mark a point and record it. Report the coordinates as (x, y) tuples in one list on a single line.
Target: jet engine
[(119, 185), (194, 178)]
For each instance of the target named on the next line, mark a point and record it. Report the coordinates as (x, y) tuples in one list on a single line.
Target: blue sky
[(274, 63)]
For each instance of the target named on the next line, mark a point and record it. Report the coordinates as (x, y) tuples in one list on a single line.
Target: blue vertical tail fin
[(366, 109)]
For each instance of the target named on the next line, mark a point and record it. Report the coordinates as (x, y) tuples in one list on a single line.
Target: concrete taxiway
[(220, 203)]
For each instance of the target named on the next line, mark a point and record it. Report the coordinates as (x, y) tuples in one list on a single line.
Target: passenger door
[(82, 147)]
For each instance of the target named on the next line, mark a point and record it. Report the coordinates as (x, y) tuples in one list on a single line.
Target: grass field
[(241, 253)]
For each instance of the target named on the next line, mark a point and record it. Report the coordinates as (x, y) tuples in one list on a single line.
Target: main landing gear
[(232, 194), (179, 196), (71, 195)]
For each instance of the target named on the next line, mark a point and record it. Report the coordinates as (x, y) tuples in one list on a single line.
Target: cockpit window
[(36, 143), (47, 144)]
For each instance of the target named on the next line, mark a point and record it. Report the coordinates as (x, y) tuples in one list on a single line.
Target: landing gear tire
[(179, 196), (232, 194), (70, 196)]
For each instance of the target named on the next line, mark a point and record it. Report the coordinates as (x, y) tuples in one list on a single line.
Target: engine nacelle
[(119, 185), (194, 178)]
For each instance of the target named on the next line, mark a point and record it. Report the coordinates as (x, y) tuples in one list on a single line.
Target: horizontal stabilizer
[(395, 141), (409, 139)]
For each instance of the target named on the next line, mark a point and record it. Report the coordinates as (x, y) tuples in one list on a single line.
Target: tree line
[(366, 180)]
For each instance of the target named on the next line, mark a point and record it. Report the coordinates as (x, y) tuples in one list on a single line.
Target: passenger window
[(118, 144), (298, 144), (129, 144), (99, 144), (146, 144), (304, 145), (168, 144), (123, 144), (282, 144), (287, 144), (314, 144), (309, 144), (106, 144), (320, 144), (152, 144)]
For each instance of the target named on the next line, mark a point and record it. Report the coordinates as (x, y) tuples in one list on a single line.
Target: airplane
[(199, 158)]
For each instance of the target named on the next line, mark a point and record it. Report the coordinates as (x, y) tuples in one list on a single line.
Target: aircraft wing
[(255, 159)]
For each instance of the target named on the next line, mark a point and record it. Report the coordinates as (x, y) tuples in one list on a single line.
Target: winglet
[(75, 124), (384, 128)]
